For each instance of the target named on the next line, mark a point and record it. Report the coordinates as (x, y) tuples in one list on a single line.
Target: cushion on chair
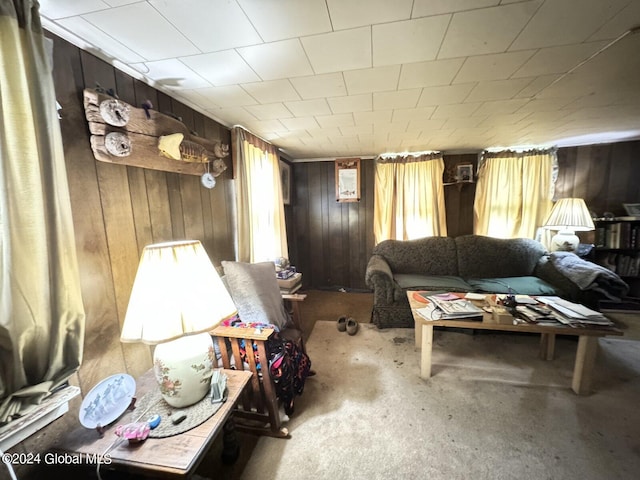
[(255, 291), (525, 285)]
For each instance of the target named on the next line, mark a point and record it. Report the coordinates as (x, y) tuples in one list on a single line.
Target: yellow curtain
[(409, 197), (41, 312), (262, 234), (514, 193)]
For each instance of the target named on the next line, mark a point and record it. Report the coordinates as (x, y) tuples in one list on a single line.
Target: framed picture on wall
[(464, 173), (348, 180), (285, 178)]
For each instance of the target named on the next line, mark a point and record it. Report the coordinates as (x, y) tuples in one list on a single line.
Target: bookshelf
[(617, 247)]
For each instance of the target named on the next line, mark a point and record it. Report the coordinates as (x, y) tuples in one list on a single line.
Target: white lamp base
[(565, 241), (183, 369)]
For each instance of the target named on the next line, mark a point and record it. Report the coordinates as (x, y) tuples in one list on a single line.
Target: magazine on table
[(449, 307)]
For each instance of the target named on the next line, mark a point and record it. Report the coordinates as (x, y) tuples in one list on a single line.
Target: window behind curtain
[(514, 193)]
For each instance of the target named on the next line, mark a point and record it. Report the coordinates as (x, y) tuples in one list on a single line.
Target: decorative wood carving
[(121, 133)]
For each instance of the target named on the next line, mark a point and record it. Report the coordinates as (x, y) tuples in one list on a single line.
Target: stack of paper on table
[(573, 313), (441, 307)]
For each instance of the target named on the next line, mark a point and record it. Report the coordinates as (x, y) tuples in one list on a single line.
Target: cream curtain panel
[(514, 193), (409, 197), (262, 234), (41, 311)]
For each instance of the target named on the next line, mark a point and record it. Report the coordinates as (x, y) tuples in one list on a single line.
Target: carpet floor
[(492, 410)]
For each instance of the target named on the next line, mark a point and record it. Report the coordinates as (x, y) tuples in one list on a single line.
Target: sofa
[(476, 263)]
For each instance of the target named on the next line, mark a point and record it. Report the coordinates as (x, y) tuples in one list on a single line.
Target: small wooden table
[(176, 456), (585, 354)]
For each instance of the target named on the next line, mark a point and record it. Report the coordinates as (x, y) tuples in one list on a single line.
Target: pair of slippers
[(347, 324)]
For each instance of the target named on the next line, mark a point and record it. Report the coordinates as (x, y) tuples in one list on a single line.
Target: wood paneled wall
[(117, 210), (331, 243)]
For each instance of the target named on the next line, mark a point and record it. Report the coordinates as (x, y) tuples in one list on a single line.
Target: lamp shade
[(177, 291), (570, 214)]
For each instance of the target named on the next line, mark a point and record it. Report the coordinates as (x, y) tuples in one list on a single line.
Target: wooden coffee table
[(585, 354), (175, 456)]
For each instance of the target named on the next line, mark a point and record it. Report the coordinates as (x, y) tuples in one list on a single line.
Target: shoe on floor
[(342, 324), (352, 326)]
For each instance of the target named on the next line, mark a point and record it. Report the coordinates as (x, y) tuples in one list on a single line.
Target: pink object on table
[(134, 432)]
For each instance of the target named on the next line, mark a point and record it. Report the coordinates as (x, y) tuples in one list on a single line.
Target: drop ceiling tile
[(403, 114), (424, 8), (281, 19), (369, 80), (323, 132), (497, 89), (426, 125), (537, 85), (96, 38), (380, 116), (269, 112), (455, 111), (408, 41), (232, 115), (153, 39), (303, 108), (357, 130), (228, 96), (328, 121), (501, 106), (399, 99), (172, 73), (197, 99), (267, 126), (488, 30), (194, 19), (463, 122), (337, 51), (444, 95), (319, 86), (351, 14), (627, 18), (272, 91), (393, 127), (300, 123), (429, 74), (221, 68), (353, 103), (561, 23), (497, 66), (552, 60), (55, 9), (277, 60)]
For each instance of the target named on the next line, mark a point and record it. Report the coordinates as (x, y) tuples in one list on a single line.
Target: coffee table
[(176, 456), (585, 354)]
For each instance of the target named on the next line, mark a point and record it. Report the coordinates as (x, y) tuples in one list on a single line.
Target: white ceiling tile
[(264, 126), (423, 8), (277, 60), (627, 18), (235, 31), (429, 74), (300, 123), (344, 50), (303, 108), (200, 100), (328, 121), (221, 68), (323, 132), (353, 103), (499, 107), (173, 73), (455, 111), (488, 30), (55, 9), (497, 89), (94, 36), (153, 39), (233, 115), (393, 127), (444, 95), (269, 111), (319, 86), (272, 91), (357, 130), (369, 80), (228, 96), (380, 116), (497, 66), (399, 99), (281, 19), (408, 41), (463, 122), (561, 23), (551, 60), (426, 125), (537, 85), (357, 13), (413, 114)]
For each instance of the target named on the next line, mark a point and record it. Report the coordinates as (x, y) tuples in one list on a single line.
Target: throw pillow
[(254, 289)]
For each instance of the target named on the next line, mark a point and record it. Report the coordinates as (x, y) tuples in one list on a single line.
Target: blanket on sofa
[(589, 276)]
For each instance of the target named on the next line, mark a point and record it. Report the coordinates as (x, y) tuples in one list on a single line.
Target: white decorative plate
[(107, 400)]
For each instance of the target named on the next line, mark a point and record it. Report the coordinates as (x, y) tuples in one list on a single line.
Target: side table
[(176, 456)]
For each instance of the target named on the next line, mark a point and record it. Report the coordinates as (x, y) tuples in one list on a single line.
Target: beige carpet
[(492, 410)]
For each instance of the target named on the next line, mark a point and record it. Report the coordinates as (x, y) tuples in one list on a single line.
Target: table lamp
[(176, 299), (568, 215)]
